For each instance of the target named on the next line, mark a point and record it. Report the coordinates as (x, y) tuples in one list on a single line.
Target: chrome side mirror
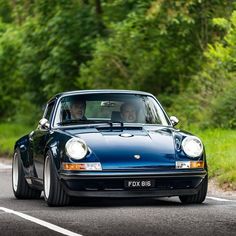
[(174, 120), (44, 124)]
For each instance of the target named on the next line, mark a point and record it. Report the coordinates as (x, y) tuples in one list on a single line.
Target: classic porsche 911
[(108, 143)]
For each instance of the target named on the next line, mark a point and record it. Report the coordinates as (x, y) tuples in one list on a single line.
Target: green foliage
[(5, 11), (27, 112), (41, 53), (53, 50), (10, 83), (223, 113), (10, 132), (157, 47), (209, 98)]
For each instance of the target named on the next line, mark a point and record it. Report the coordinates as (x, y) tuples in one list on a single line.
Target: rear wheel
[(196, 198), (54, 194), (20, 187)]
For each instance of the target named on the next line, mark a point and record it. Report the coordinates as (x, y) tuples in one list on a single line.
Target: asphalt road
[(165, 216)]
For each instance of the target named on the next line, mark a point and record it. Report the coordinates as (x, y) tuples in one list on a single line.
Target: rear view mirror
[(109, 104), (44, 124), (174, 120)]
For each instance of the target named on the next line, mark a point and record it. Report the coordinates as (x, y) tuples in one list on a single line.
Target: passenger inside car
[(128, 112)]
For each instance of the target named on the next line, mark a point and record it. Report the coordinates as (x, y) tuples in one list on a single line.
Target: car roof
[(77, 92)]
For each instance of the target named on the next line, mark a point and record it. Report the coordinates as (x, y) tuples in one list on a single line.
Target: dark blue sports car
[(108, 143)]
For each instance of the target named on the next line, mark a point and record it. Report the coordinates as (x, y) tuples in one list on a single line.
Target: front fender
[(56, 145), (23, 145)]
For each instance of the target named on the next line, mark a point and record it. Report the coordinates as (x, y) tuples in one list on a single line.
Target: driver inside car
[(77, 110)]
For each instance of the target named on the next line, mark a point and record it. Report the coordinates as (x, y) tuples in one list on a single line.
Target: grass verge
[(9, 133), (220, 148)]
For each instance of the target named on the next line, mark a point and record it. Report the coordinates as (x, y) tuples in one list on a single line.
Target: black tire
[(196, 198), (20, 187), (54, 194)]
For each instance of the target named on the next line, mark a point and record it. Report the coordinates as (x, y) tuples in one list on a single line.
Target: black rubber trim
[(134, 193), (109, 175)]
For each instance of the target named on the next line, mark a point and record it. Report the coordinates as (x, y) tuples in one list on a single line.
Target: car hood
[(131, 149)]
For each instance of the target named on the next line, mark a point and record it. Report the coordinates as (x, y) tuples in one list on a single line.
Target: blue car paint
[(117, 152), (156, 146)]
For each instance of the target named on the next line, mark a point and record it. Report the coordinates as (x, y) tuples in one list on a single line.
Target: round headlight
[(192, 146), (76, 148)]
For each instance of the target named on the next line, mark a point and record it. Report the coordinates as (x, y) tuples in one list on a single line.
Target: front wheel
[(54, 194), (20, 187), (196, 198)]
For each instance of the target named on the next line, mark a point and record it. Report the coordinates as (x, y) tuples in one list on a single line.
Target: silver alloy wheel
[(47, 177), (15, 171)]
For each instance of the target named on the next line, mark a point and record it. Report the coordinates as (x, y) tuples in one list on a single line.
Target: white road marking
[(4, 166), (41, 222), (221, 199)]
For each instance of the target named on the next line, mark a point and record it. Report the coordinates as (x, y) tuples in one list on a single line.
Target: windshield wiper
[(96, 122), (67, 122), (101, 124)]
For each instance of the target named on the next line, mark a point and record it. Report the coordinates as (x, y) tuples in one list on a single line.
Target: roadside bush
[(224, 108), (209, 100), (26, 112)]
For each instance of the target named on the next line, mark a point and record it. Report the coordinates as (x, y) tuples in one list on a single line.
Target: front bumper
[(111, 184)]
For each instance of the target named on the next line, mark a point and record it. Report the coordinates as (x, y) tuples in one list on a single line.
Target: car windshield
[(103, 108)]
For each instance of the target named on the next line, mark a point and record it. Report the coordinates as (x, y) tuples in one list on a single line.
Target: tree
[(10, 83), (157, 46), (209, 98)]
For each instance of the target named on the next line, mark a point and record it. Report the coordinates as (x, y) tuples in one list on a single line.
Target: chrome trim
[(79, 141), (44, 123), (174, 120)]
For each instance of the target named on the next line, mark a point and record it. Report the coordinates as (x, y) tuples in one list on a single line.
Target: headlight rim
[(79, 140), (189, 138)]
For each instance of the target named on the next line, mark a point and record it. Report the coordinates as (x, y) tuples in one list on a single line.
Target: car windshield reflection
[(109, 108)]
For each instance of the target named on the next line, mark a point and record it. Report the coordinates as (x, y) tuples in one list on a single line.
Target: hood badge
[(126, 135), (137, 157)]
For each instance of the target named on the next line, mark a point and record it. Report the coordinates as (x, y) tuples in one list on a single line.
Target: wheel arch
[(23, 145)]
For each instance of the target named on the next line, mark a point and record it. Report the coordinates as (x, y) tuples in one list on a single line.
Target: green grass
[(9, 133), (220, 148)]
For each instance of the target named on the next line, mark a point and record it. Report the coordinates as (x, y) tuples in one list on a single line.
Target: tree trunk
[(98, 7)]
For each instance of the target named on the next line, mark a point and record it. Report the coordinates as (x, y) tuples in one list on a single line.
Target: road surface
[(163, 216)]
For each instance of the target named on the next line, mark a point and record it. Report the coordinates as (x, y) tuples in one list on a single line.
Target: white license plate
[(147, 183)]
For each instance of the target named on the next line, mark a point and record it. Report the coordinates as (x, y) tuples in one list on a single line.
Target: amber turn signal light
[(196, 164), (95, 166), (189, 164)]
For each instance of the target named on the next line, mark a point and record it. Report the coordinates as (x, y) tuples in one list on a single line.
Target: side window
[(48, 111)]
